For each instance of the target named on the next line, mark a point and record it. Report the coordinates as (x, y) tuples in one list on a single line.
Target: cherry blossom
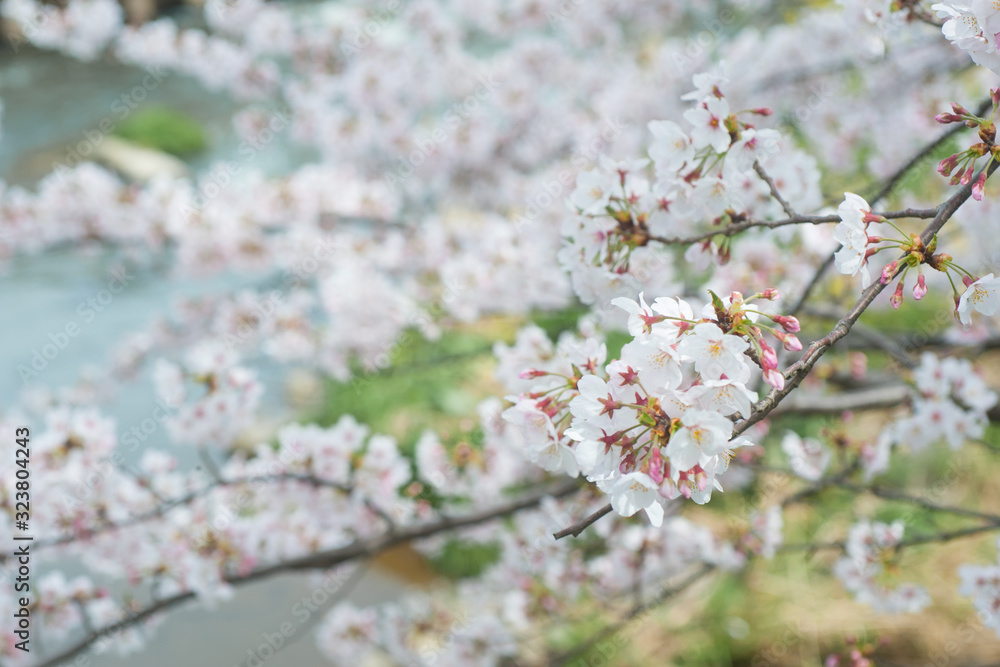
[(983, 296)]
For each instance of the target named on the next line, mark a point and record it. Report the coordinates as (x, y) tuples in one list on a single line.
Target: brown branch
[(801, 368), (798, 371), (891, 494), (876, 398), (365, 548), (736, 228), (664, 596), (160, 510), (785, 206), (582, 524), (887, 189)]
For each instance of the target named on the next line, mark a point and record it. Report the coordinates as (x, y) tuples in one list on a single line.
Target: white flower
[(593, 192), (707, 83), (973, 28), (703, 435), (709, 121), (672, 148), (723, 396), (853, 236), (656, 362), (637, 491), (807, 457), (753, 145), (716, 353), (982, 295), (853, 209)]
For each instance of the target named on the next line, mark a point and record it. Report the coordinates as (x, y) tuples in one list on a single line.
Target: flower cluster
[(963, 164), (950, 403), (859, 242), (657, 422), (223, 404), (807, 457), (868, 569), (982, 584), (705, 174), (973, 27)]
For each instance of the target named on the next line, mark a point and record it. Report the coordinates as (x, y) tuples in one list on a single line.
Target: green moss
[(163, 129)]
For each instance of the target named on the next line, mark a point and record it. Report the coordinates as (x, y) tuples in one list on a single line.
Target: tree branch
[(887, 189), (326, 559), (664, 596), (582, 524), (798, 371), (736, 228), (785, 206)]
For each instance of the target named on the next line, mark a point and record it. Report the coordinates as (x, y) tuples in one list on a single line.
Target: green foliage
[(459, 559), (163, 129)]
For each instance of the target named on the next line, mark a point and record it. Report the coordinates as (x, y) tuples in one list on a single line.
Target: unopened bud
[(789, 341), (888, 272), (980, 187), (774, 378), (788, 323), (967, 176), (769, 358), (920, 289), (897, 297), (946, 165), (988, 132), (946, 118)]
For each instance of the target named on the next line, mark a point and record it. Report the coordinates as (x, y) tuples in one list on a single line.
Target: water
[(54, 106)]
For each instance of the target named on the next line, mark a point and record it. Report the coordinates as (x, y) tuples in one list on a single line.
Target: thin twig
[(583, 523), (736, 228), (636, 611), (785, 206)]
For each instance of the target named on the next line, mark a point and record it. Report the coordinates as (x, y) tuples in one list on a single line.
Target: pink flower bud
[(771, 293), (920, 289), (979, 187), (995, 96), (769, 358), (762, 111), (888, 272), (788, 323), (656, 465), (959, 109), (968, 280), (946, 118), (897, 297), (946, 165), (789, 341), (531, 374), (967, 177), (774, 378)]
